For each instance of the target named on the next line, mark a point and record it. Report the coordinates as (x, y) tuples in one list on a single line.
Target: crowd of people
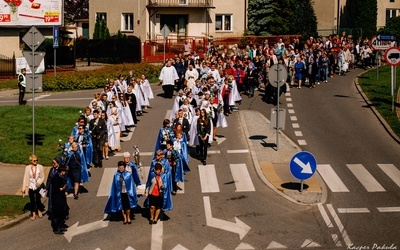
[(208, 90)]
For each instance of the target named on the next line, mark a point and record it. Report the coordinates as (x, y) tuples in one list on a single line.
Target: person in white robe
[(147, 87)]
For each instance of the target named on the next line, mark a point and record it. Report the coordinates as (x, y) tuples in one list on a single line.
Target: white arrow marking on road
[(220, 140), (306, 168), (238, 226), (179, 247), (211, 247), (244, 246), (76, 230), (275, 245), (310, 243)]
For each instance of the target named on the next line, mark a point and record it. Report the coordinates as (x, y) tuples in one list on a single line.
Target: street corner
[(279, 176)]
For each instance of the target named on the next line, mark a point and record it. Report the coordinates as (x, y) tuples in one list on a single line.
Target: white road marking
[(331, 178), (298, 133), (388, 209), (290, 105), (238, 226), (336, 240), (392, 172), (179, 247), (293, 118), (295, 125), (287, 94), (345, 236), (213, 152), (309, 243), (106, 180), (288, 99), (77, 230), (244, 246), (302, 142), (241, 177), (291, 111), (157, 236), (208, 179), (324, 215), (237, 151), (129, 136), (354, 210), (275, 245), (366, 179)]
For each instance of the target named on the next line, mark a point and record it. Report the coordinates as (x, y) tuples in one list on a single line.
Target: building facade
[(146, 18)]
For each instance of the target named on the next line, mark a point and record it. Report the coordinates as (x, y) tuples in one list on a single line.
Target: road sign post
[(277, 76), (33, 38), (392, 57), (165, 32), (56, 37), (303, 166)]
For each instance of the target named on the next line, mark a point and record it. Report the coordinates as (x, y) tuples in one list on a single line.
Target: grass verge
[(376, 84), (51, 124), (12, 205)]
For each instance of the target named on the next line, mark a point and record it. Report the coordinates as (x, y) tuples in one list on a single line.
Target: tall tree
[(360, 14), (266, 18), (76, 9), (303, 21), (100, 29)]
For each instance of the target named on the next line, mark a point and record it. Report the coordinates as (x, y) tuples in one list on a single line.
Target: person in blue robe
[(166, 178), (175, 161), (123, 195), (180, 144), (131, 167), (164, 134)]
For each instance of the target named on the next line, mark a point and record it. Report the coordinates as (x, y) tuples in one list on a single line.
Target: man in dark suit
[(98, 128), (183, 121)]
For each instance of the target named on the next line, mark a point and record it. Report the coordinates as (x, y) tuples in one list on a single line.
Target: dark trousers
[(168, 91), (97, 152), (226, 103), (173, 172), (35, 202), (203, 145), (21, 94)]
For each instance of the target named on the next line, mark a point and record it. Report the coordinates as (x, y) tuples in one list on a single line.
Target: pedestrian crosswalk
[(208, 179), (364, 177)]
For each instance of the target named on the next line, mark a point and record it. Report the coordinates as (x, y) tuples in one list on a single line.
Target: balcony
[(180, 4)]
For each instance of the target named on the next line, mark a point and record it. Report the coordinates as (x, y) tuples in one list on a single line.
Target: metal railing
[(180, 3), (7, 66)]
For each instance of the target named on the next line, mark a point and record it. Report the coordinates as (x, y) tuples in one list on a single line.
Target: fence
[(7, 66), (153, 50)]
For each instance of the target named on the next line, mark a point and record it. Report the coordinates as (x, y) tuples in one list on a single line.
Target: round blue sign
[(303, 165)]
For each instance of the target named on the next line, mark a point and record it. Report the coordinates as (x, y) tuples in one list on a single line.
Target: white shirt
[(168, 75)]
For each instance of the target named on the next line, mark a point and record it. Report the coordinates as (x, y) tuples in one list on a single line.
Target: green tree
[(392, 27), (76, 9), (100, 29), (360, 14), (303, 20), (265, 17)]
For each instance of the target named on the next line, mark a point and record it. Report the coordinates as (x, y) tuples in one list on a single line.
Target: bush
[(92, 79)]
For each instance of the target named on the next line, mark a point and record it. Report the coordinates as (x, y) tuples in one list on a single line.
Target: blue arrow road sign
[(385, 37), (56, 36), (303, 165)]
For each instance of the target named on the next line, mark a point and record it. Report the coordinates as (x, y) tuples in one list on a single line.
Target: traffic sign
[(56, 36), (165, 31), (33, 58), (303, 165), (385, 37), (277, 75), (392, 56), (33, 38), (380, 45)]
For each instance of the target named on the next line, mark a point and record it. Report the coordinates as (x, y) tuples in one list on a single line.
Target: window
[(392, 1), (183, 2), (391, 13), (127, 22), (102, 15), (223, 22)]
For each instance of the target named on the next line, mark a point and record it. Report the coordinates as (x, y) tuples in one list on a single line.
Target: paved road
[(275, 219)]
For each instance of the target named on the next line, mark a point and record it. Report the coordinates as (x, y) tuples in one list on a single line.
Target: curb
[(15, 221), (283, 192)]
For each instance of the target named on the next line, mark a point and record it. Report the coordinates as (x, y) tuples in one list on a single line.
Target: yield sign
[(165, 31), (33, 58), (33, 38)]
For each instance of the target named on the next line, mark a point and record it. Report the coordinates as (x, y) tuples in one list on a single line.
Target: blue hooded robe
[(114, 202), (167, 180)]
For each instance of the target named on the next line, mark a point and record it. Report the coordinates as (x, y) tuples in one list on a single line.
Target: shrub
[(92, 79)]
